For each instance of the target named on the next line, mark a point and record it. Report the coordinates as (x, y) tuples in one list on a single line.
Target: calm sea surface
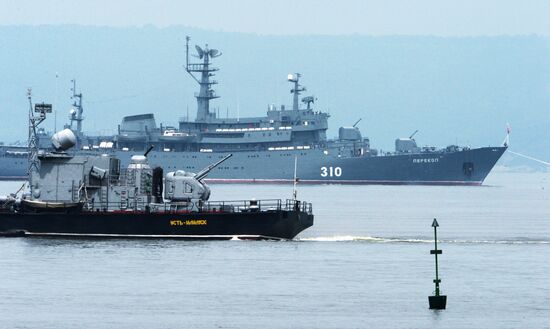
[(364, 264)]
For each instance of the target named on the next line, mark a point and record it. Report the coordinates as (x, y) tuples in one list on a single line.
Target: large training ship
[(265, 148)]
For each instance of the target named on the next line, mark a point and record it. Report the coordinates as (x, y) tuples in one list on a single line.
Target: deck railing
[(232, 206)]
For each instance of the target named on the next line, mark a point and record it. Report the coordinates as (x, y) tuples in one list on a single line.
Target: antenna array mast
[(34, 122), (206, 92)]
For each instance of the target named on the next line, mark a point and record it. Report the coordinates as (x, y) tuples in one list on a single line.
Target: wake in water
[(372, 239)]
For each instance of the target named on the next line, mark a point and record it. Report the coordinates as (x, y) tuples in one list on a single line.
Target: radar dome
[(63, 140)]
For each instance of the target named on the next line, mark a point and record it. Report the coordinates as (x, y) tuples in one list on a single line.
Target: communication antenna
[(187, 38), (56, 103)]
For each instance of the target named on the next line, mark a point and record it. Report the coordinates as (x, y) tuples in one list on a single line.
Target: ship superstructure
[(281, 129)]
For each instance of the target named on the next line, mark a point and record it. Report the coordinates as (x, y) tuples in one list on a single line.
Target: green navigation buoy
[(437, 302)]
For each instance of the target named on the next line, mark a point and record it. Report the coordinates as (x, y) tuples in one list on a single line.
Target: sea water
[(365, 263)]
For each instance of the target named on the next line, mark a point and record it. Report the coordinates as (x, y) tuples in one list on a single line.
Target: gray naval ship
[(93, 196), (264, 148)]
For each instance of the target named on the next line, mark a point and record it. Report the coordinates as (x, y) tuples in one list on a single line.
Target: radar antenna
[(206, 92), (308, 100)]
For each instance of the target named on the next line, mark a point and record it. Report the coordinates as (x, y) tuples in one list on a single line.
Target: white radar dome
[(63, 140)]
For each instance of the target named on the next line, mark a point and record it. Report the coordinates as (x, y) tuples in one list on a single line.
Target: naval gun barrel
[(148, 150), (201, 174)]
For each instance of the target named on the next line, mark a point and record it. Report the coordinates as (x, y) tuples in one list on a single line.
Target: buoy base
[(437, 302)]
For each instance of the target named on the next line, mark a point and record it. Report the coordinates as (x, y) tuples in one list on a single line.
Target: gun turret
[(204, 172), (181, 186)]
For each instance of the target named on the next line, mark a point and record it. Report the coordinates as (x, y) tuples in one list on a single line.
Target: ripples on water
[(365, 263), (373, 239)]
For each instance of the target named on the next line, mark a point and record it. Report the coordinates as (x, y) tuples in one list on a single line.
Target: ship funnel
[(63, 140)]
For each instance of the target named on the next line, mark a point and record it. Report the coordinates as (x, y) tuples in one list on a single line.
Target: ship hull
[(201, 225), (464, 167)]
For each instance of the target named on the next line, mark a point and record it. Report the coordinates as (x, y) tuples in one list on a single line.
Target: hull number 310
[(331, 171)]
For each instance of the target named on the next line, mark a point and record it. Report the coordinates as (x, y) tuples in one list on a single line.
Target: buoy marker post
[(437, 302)]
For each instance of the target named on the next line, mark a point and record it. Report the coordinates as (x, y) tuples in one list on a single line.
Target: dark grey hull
[(465, 167), (276, 224)]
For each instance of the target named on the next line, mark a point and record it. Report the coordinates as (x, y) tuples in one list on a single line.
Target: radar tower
[(206, 92)]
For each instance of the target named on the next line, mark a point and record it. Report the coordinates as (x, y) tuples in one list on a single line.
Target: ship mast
[(296, 90), (206, 92), (34, 122), (77, 104)]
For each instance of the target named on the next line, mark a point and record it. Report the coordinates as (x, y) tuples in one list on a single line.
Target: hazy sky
[(434, 17)]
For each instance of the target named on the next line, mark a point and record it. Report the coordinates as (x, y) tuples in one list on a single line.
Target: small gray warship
[(91, 196), (264, 148)]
